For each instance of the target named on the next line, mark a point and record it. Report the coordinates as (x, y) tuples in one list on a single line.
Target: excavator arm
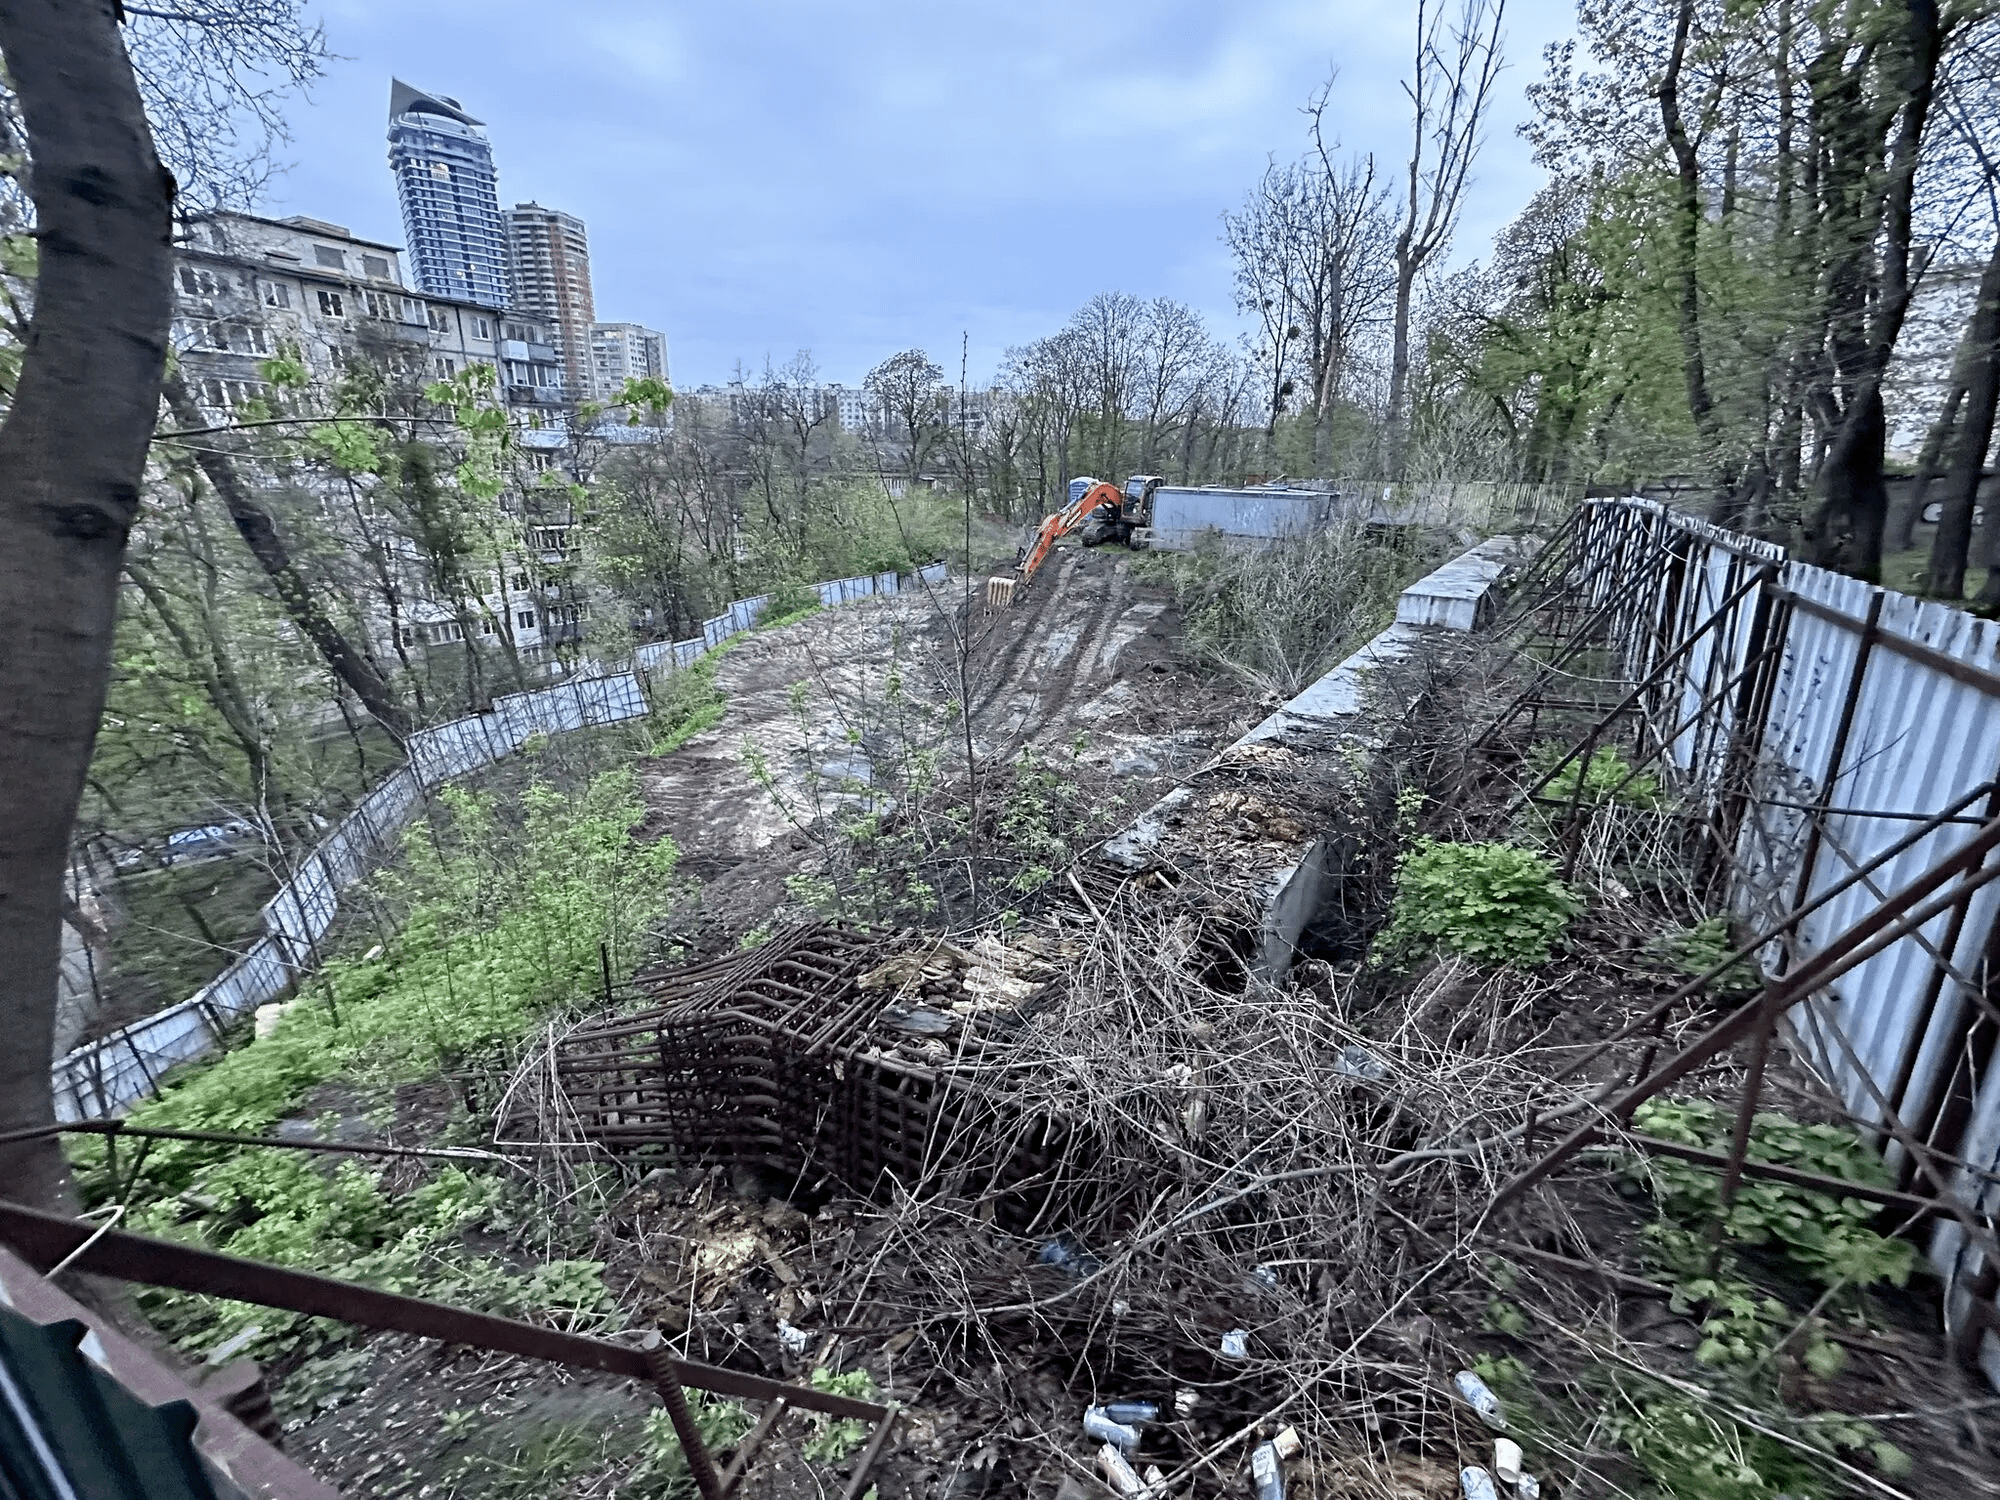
[(1000, 590)]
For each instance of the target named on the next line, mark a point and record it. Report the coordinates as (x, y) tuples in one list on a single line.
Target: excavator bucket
[(999, 592)]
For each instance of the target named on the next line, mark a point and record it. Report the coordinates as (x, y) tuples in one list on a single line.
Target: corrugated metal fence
[(1865, 713), (108, 1076)]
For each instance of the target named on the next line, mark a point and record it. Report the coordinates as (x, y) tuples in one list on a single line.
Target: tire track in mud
[(1039, 653)]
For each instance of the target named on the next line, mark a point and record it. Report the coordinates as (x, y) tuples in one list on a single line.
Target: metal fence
[(1842, 743), (110, 1075)]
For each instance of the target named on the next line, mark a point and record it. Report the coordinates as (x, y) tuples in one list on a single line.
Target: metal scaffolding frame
[(1670, 643)]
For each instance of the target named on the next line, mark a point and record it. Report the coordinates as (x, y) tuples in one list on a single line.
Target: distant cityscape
[(470, 284)]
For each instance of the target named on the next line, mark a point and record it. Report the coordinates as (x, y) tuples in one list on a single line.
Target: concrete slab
[(1256, 829)]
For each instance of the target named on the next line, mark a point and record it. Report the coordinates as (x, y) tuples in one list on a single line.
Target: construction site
[(1549, 1054)]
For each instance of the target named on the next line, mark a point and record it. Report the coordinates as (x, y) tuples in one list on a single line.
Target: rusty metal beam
[(44, 1240), (1882, 926)]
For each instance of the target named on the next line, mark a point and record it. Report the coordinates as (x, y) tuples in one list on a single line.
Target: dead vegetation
[(1124, 1171)]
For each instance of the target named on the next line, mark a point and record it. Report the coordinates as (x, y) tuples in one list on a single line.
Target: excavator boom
[(1000, 590)]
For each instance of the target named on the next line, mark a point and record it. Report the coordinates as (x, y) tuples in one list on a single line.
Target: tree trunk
[(1903, 519), (1687, 249), (1848, 531), (1952, 548), (260, 535), (1397, 435), (72, 454)]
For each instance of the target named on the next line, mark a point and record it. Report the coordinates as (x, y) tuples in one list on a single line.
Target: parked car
[(210, 842)]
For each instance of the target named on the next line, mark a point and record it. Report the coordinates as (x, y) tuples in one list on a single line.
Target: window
[(482, 328), (447, 368), (211, 394), (330, 305), (327, 255), (409, 636), (527, 619), (375, 265), (413, 310), (440, 171), (486, 626), (439, 319), (277, 294), (197, 283), (380, 306), (259, 344), (520, 582), (214, 335)]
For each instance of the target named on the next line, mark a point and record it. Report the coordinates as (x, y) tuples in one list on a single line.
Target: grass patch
[(687, 703), (505, 916)]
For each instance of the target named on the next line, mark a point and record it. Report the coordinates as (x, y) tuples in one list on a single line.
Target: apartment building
[(449, 192), (626, 351), (249, 288), (549, 262)]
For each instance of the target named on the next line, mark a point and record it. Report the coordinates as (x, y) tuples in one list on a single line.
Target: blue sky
[(765, 176)]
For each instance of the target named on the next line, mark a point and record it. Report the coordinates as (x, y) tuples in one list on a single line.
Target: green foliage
[(686, 702), (1609, 779), (505, 919), (1494, 903), (789, 603), (834, 1438), (1697, 949), (1692, 1453), (1825, 1239)]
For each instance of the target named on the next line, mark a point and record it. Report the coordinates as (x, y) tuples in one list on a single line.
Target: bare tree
[(1458, 61)]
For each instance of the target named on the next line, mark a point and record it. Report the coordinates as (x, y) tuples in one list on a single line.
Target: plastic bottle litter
[(1506, 1460), (1067, 1253), (1477, 1484), (1155, 1477), (1358, 1062), (1236, 1344), (1132, 1413), (1185, 1402), (1527, 1487), (1479, 1398), (794, 1339), (1117, 1471), (1288, 1443), (1098, 1424), (1267, 1479)]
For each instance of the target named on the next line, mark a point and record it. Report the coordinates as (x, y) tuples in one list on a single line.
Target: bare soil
[(832, 706)]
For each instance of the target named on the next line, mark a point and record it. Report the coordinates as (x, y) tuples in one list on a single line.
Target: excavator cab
[(1100, 513), (1137, 507)]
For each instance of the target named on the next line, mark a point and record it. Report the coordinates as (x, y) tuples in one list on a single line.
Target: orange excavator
[(1103, 513)]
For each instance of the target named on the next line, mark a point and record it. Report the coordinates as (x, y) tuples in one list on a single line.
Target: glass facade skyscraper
[(457, 240)]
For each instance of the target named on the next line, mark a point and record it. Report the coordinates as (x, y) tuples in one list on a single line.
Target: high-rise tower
[(451, 207), (549, 260)]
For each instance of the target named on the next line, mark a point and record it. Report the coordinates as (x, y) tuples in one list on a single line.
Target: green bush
[(1826, 1239), (788, 602), (505, 919), (1697, 949), (1493, 903), (685, 702), (1609, 779)]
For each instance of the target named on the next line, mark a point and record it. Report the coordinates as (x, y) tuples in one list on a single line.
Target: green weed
[(1493, 903)]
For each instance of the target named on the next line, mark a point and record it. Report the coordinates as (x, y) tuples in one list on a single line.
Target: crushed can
[(1098, 1424)]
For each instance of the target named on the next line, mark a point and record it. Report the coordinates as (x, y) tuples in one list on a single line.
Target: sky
[(856, 177)]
